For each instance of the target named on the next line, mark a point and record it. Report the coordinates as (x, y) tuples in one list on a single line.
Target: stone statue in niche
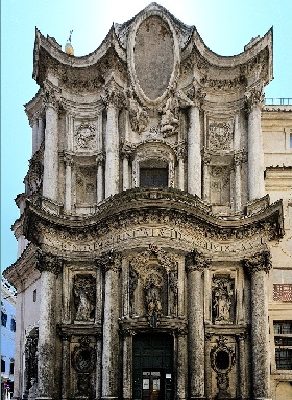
[(138, 115), (84, 290), (153, 297), (223, 300), (84, 136), (170, 116)]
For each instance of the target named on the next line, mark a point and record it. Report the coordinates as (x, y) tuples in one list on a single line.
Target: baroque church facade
[(154, 235)]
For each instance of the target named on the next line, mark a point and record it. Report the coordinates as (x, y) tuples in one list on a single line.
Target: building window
[(34, 296), (11, 368), (12, 325), (154, 177), (2, 365), (283, 344), (3, 318)]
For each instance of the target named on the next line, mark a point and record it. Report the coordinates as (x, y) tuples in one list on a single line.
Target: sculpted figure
[(138, 115), (169, 120), (153, 295), (222, 296), (84, 294)]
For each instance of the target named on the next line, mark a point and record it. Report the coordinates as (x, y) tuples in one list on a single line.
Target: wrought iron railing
[(278, 101)]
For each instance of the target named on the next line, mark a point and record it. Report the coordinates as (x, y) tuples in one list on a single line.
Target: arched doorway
[(152, 366)]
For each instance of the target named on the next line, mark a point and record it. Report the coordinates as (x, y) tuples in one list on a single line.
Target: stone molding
[(46, 261), (195, 261), (260, 261)]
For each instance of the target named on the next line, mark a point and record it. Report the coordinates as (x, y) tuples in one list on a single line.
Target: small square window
[(11, 368), (13, 325), (3, 318), (2, 365)]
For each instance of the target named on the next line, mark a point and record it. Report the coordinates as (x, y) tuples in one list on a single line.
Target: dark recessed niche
[(222, 360)]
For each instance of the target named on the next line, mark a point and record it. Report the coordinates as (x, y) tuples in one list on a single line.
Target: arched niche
[(156, 156)]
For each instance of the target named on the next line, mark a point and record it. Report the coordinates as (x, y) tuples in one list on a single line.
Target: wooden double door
[(152, 367)]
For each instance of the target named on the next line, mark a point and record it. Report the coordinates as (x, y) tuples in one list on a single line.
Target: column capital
[(68, 158), (206, 156), (46, 261), (100, 158), (114, 97), (127, 149), (181, 151), (260, 261), (240, 157), (110, 260), (195, 261), (196, 95), (51, 96), (254, 98)]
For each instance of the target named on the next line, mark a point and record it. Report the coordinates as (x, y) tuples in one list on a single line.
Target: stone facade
[(150, 253)]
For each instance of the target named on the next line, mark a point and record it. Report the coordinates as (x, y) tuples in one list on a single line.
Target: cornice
[(165, 205)]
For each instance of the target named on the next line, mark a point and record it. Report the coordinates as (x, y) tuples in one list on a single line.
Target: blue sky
[(225, 26)]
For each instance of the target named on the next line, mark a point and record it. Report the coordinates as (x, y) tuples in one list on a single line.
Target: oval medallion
[(154, 56)]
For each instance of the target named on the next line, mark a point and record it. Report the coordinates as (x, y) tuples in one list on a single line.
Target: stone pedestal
[(195, 264), (49, 266), (51, 159), (256, 166), (257, 267)]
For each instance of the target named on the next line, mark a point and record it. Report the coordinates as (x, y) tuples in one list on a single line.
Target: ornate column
[(182, 364), (111, 263), (50, 266), (127, 363), (126, 151), (208, 369), (258, 266), (194, 145), (68, 181), (181, 156), (100, 181), (35, 128), (195, 264), (206, 177), (66, 367), (51, 160), (242, 365), (114, 100), (41, 130), (256, 166), (238, 158)]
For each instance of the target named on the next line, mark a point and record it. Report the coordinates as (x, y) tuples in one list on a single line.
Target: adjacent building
[(155, 251), (8, 329)]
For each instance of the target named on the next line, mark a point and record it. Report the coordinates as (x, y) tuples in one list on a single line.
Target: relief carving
[(31, 360), (85, 137), (84, 290), (219, 135), (34, 177), (223, 300), (84, 361)]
